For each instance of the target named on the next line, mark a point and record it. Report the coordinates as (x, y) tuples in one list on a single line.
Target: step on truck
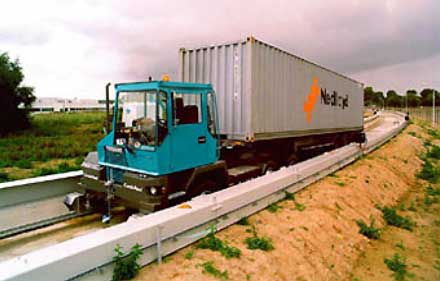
[(238, 111)]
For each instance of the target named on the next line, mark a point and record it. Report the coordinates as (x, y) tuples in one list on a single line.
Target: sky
[(73, 48)]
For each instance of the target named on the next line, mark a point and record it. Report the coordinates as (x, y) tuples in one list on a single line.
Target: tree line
[(410, 98)]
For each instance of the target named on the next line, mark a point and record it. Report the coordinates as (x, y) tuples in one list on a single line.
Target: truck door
[(189, 132)]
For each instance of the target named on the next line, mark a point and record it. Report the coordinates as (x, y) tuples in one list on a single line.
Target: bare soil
[(322, 242)]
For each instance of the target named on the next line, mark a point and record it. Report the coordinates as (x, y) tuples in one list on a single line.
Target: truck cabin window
[(187, 108), (142, 118)]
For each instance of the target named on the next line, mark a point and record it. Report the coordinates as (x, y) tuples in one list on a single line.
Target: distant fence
[(423, 113)]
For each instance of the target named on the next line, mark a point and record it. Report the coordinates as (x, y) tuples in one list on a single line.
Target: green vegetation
[(368, 230), (431, 196), (434, 152), (429, 172), (189, 255), (289, 196), (392, 218), (340, 183), (400, 245), (209, 268), (215, 244), (273, 208), (243, 221), (56, 142), (258, 243), (412, 134), (300, 207), (397, 264), (126, 267)]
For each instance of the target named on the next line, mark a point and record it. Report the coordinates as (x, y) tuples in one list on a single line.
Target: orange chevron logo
[(312, 98)]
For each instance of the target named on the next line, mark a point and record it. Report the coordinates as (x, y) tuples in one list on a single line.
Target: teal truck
[(240, 110)]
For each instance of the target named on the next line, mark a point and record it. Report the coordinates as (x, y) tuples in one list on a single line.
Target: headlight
[(153, 190)]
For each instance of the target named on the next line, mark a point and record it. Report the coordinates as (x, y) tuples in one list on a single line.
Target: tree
[(426, 95), (15, 100), (372, 98), (393, 99), (412, 98)]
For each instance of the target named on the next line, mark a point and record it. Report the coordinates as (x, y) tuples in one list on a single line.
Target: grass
[(300, 207), (61, 136), (209, 268), (392, 218), (432, 196), (215, 244), (368, 230), (340, 183), (289, 196), (189, 255), (434, 152), (397, 265)]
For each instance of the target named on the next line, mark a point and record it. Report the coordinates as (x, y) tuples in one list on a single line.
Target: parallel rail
[(89, 257)]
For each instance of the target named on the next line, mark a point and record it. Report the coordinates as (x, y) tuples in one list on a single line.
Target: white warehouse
[(65, 105)]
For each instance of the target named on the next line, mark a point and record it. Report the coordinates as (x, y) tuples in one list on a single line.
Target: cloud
[(73, 48)]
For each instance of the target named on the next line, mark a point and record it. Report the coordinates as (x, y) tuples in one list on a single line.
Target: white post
[(433, 107)]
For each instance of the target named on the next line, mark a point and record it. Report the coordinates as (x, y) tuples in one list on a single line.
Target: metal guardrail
[(33, 189), (89, 257)]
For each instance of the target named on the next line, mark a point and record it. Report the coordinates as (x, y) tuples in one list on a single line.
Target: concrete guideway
[(89, 257), (38, 202)]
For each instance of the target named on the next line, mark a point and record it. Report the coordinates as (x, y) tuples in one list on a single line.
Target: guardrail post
[(159, 244)]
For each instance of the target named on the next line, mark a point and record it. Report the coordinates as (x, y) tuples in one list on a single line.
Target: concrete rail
[(89, 257)]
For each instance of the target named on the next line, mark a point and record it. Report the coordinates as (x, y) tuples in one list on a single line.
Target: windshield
[(138, 116)]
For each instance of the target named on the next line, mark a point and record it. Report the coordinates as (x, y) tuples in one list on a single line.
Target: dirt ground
[(321, 242)]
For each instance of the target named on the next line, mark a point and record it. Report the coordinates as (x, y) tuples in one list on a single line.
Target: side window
[(187, 109), (162, 118), (211, 114)]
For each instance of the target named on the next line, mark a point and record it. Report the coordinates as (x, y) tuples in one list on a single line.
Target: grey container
[(262, 90)]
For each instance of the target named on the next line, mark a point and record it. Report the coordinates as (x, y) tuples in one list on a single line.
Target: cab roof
[(154, 85)]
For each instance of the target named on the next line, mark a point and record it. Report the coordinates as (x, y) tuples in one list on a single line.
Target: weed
[(4, 176), (400, 245), (433, 133), (259, 243), (23, 164), (392, 218), (189, 255), (273, 208), (434, 152), (289, 196), (402, 206), (412, 207), (209, 268), (397, 264), (215, 244), (333, 175), (368, 231), (340, 183), (300, 207), (243, 221), (429, 172), (126, 267), (412, 134)]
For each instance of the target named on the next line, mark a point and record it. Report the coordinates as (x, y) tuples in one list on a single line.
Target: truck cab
[(163, 135)]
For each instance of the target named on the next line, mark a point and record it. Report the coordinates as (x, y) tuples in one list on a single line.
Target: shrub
[(434, 152), (209, 268), (214, 244), (243, 221), (273, 208), (392, 218), (126, 267), (259, 243), (368, 231), (397, 264), (429, 172), (290, 196)]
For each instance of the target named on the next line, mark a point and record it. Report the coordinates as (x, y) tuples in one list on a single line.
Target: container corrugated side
[(281, 84), (261, 91), (227, 68)]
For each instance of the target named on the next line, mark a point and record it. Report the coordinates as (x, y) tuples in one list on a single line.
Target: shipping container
[(264, 92)]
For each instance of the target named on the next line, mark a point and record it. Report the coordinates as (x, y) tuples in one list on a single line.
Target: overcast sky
[(73, 48)]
